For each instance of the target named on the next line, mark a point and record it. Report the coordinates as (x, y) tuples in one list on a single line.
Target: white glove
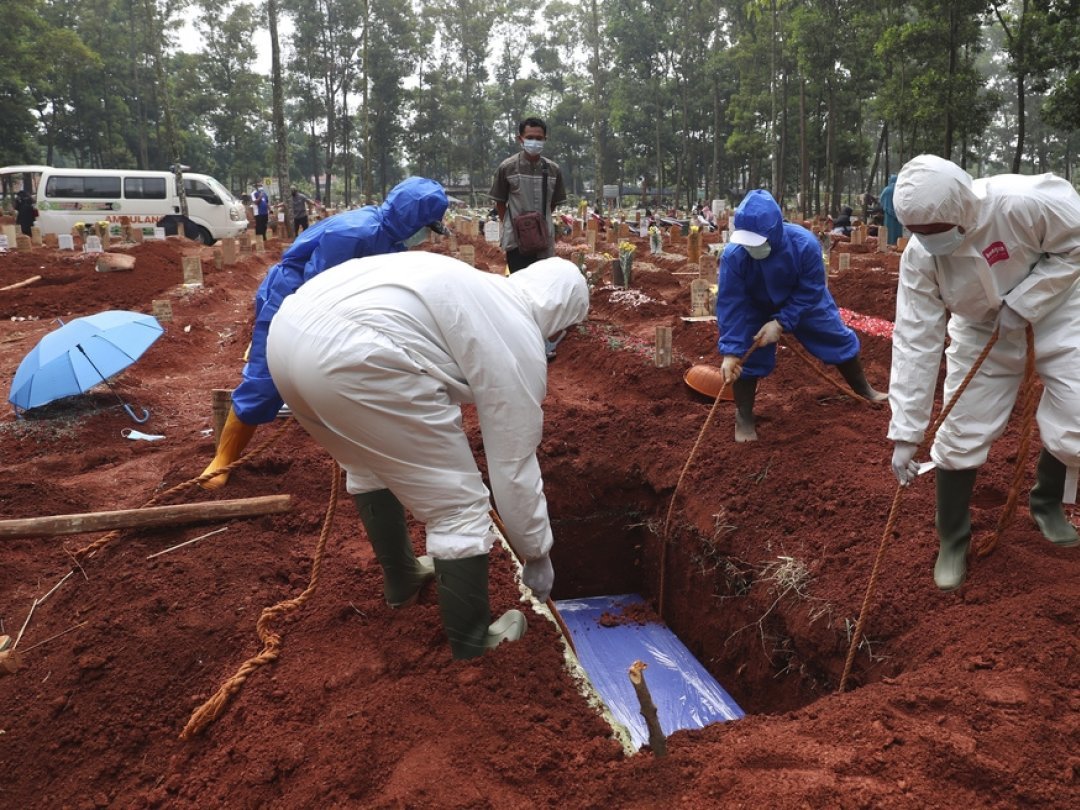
[(538, 575), (904, 466), (730, 369), (769, 333), (1009, 320)]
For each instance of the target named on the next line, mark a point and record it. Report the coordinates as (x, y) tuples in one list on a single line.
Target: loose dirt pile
[(965, 699)]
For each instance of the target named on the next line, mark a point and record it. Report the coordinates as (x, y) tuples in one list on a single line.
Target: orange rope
[(928, 439), (213, 708), (104, 540), (671, 505), (815, 366)]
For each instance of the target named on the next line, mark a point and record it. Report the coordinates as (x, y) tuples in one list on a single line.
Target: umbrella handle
[(131, 413)]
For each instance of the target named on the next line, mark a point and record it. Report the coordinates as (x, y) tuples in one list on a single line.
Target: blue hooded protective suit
[(788, 286), (892, 224), (373, 230)]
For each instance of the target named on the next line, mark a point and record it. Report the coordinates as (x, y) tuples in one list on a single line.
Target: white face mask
[(533, 147), (759, 252), (418, 237), (941, 244)]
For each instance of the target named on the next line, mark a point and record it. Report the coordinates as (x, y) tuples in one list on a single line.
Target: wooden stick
[(22, 283), (657, 740), (150, 516), (185, 543)]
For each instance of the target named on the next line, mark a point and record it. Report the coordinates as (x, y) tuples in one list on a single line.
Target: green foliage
[(669, 97)]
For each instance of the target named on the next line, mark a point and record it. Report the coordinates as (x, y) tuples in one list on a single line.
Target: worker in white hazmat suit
[(1000, 252), (375, 358)]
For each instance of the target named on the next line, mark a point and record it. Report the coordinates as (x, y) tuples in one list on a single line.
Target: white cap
[(747, 238)]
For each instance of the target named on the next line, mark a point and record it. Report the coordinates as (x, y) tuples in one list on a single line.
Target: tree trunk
[(281, 151)]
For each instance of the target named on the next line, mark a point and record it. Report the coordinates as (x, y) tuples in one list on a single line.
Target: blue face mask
[(417, 238), (759, 252), (941, 244), (532, 147)]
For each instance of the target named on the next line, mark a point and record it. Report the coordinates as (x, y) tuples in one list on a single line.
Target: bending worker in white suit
[(375, 357), (1000, 252)]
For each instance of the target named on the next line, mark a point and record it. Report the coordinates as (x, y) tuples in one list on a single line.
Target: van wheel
[(205, 237)]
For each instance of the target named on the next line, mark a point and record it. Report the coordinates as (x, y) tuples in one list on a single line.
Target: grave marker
[(193, 276), (161, 308), (491, 231), (229, 251), (468, 255), (65, 241), (845, 261), (662, 354), (699, 298)]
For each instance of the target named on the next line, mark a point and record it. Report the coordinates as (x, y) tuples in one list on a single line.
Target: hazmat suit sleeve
[(809, 279), (256, 400), (734, 313), (511, 424), (918, 340), (1055, 217), (501, 355)]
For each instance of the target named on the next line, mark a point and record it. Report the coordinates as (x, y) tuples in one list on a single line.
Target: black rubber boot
[(743, 390), (404, 575), (1045, 503), (953, 523), (853, 374), (466, 612)]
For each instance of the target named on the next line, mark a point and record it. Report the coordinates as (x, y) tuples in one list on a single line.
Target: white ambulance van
[(65, 197)]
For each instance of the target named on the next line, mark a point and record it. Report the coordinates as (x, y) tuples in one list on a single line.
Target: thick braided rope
[(104, 540), (689, 459), (928, 439), (815, 366), (213, 708), (1027, 427)]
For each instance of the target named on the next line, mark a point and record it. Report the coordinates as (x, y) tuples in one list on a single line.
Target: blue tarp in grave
[(685, 694)]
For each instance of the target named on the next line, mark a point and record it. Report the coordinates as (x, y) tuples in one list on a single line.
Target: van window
[(144, 188), (60, 187), (197, 188)]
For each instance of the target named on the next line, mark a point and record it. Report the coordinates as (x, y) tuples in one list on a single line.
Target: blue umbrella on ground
[(80, 354)]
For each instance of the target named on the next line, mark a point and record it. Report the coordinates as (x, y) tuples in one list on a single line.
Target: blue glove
[(539, 576), (904, 466)]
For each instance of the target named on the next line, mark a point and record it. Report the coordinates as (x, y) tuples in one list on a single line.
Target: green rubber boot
[(953, 521), (1045, 503), (743, 390), (466, 611), (404, 575), (853, 374)]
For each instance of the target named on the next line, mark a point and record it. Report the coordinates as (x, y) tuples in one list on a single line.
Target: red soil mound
[(963, 699)]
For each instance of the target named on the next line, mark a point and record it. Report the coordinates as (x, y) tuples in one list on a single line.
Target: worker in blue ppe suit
[(375, 358), (893, 227), (996, 253), (411, 208), (772, 280)]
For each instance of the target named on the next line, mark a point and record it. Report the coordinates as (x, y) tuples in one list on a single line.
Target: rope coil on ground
[(213, 708)]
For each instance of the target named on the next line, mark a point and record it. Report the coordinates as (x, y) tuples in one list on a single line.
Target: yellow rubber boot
[(234, 438)]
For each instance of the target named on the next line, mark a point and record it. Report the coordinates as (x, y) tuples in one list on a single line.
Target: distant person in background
[(413, 207), (260, 205), (518, 188), (892, 224), (841, 226), (25, 212), (300, 203)]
